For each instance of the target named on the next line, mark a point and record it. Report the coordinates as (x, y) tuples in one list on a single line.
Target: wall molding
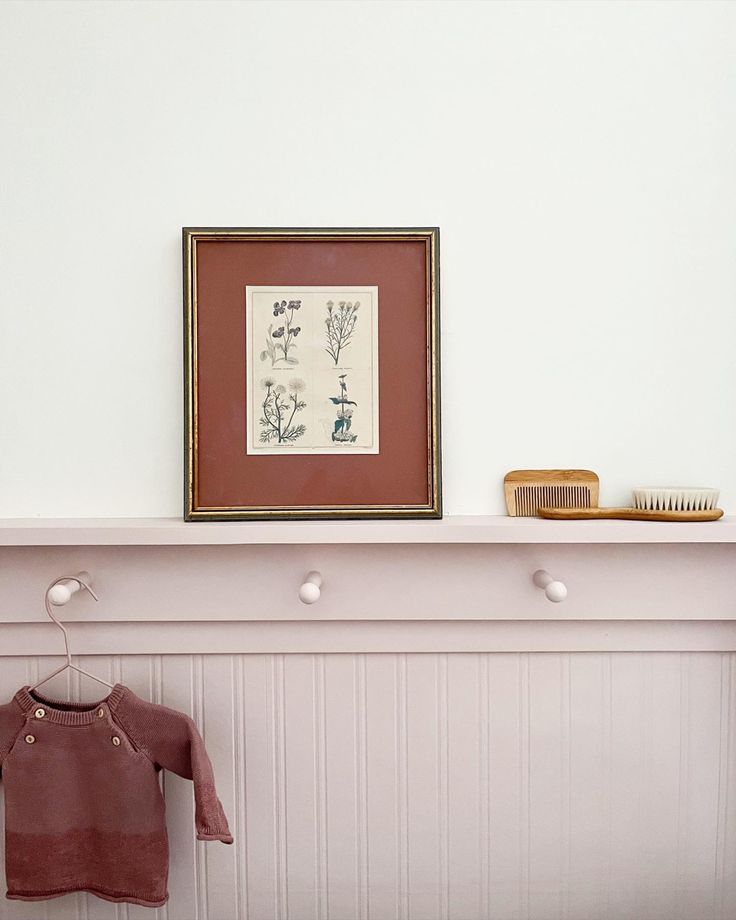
[(315, 637)]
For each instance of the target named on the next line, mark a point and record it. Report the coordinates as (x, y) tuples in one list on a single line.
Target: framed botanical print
[(311, 373)]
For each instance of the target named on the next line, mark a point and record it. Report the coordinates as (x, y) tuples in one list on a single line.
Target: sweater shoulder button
[(30, 739), (115, 740), (39, 713)]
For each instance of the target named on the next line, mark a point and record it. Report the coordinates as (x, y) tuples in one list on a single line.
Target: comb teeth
[(676, 499), (529, 490), (529, 499)]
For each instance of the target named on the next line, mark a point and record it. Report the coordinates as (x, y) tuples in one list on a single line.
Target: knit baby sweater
[(83, 805)]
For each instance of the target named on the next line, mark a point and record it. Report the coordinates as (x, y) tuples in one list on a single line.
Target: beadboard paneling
[(448, 786)]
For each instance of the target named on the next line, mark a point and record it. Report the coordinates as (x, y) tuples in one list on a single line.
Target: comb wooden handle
[(627, 514)]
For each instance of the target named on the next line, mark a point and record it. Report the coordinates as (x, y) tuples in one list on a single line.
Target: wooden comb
[(529, 490)]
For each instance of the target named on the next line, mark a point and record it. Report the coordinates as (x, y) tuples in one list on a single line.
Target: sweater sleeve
[(11, 722), (171, 740)]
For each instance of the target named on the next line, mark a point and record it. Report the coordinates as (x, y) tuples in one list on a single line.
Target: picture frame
[(311, 373)]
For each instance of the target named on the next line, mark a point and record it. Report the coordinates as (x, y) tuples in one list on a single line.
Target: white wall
[(578, 157)]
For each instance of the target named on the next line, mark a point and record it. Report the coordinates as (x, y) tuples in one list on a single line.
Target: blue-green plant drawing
[(278, 409), (282, 339), (341, 432), (340, 325)]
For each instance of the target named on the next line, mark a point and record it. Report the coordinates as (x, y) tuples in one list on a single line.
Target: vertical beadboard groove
[(240, 876), (278, 716), (683, 784), (68, 678), (154, 679), (724, 761), (362, 907), (402, 789), (117, 669), (525, 816), (115, 675), (319, 722), (729, 849), (80, 898), (115, 664), (443, 801), (484, 771), (645, 777), (200, 851), (607, 768), (158, 696), (565, 773)]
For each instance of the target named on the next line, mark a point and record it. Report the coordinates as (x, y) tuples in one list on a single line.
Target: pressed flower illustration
[(340, 325), (280, 341), (344, 420), (299, 401), (279, 406)]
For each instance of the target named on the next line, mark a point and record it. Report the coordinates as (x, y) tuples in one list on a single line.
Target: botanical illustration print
[(312, 369), (280, 405), (344, 420), (280, 341), (340, 325)]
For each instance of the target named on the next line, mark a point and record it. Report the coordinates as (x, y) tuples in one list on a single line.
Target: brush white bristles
[(676, 499)]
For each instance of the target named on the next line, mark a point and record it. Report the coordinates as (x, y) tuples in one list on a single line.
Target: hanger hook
[(80, 581), (47, 603)]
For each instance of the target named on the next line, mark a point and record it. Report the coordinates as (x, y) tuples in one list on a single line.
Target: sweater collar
[(67, 712)]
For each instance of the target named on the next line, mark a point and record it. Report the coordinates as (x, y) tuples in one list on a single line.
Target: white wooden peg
[(310, 591), (61, 593), (555, 591)]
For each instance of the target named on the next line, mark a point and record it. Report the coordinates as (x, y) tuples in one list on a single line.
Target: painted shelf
[(455, 529)]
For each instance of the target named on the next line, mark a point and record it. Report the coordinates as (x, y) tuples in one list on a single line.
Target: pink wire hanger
[(68, 663)]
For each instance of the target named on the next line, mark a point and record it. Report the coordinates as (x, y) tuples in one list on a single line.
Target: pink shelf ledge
[(455, 529)]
